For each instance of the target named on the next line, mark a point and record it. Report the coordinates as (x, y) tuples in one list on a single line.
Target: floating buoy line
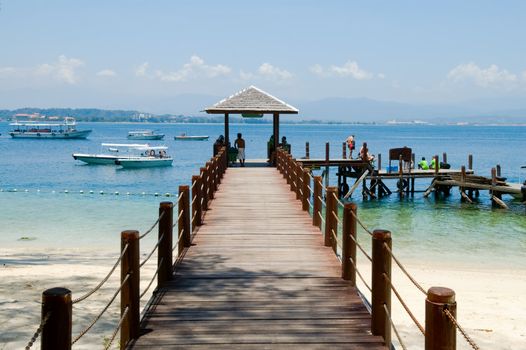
[(92, 192)]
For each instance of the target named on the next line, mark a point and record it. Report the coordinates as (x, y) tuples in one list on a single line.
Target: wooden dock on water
[(257, 276)]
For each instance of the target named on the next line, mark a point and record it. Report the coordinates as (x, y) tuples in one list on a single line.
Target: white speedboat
[(111, 152), (184, 137), (144, 135), (151, 156), (66, 129)]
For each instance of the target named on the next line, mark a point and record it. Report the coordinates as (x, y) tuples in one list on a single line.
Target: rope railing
[(310, 203), (178, 218), (152, 251), (38, 331), (362, 224), (153, 278), (361, 248), (178, 240), (404, 305), (470, 341), (336, 217), (417, 285), (360, 275), (104, 280), (335, 237), (394, 328), (152, 227), (87, 329), (119, 325), (322, 201), (321, 217), (338, 200)]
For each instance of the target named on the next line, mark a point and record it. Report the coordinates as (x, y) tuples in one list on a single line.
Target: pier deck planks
[(258, 277)]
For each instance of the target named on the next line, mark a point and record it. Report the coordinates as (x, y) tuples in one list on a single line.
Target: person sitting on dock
[(285, 145), (433, 164), (423, 164), (364, 153), (351, 145), (240, 145)]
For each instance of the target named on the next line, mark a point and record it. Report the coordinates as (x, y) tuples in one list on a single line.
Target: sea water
[(52, 205)]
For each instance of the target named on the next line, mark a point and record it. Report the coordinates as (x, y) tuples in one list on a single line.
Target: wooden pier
[(258, 276)]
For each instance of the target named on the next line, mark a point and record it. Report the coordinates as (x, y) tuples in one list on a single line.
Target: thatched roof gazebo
[(252, 103)]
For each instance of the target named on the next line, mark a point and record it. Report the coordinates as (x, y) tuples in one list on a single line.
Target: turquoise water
[(41, 171)]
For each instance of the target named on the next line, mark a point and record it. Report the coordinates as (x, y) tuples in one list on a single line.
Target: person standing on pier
[(351, 145), (240, 145)]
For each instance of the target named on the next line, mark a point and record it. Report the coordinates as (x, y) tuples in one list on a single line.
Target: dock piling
[(440, 330), (470, 162), (344, 150), (307, 151), (56, 319)]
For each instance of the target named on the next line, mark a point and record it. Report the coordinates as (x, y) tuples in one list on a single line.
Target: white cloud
[(195, 68), (483, 77), (64, 69), (349, 69), (106, 73), (246, 75), (5, 71), (271, 72)]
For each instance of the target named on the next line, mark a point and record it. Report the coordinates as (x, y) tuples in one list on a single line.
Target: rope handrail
[(336, 217), (417, 285), (461, 330), (38, 331), (301, 191), (322, 202), (86, 330), (153, 226), (394, 328), (104, 280), (178, 218), (310, 203), (338, 200), (310, 188), (178, 240), (179, 197), (153, 278), (335, 237), (361, 248), (321, 217), (124, 314), (153, 251), (360, 275), (405, 305), (361, 223), (193, 184), (193, 199)]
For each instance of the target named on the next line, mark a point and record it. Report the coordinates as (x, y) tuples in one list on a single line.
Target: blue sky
[(127, 54)]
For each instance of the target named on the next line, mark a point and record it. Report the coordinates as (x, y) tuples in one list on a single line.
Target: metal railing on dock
[(323, 204), (55, 329)]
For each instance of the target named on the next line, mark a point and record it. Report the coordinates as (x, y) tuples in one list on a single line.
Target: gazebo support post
[(227, 136)]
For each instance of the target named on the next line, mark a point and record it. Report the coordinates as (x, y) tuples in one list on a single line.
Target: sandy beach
[(489, 300)]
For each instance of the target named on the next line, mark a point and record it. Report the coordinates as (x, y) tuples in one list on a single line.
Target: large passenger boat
[(66, 129)]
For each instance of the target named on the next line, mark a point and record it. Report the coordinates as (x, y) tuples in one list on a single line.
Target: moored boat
[(151, 156), (184, 137), (110, 153), (144, 135), (66, 129)]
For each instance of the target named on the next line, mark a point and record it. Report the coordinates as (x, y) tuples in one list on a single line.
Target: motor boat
[(184, 137), (151, 156), (110, 152), (144, 135)]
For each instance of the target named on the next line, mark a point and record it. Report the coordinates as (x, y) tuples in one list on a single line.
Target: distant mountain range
[(351, 110)]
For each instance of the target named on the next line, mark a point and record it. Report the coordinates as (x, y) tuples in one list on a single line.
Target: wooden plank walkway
[(257, 277)]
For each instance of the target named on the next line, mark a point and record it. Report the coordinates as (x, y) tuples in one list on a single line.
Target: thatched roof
[(251, 100)]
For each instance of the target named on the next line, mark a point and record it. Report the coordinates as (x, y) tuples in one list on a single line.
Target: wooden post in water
[(444, 157), (165, 234), (401, 176), (204, 190), (130, 295), (56, 318), (316, 211), (437, 166), (440, 330), (470, 162), (306, 192), (498, 170), (381, 290), (330, 222), (348, 244), (379, 162), (344, 150), (196, 202), (183, 225), (307, 150)]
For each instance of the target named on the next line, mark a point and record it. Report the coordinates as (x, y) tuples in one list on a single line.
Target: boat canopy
[(66, 121), (128, 145), (154, 148)]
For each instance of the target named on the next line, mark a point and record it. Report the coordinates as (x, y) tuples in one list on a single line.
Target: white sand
[(490, 301)]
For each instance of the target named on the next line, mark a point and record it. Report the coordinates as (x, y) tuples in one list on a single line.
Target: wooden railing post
[(348, 243), (204, 190), (330, 222), (293, 175), (437, 166), (306, 192), (196, 202), (218, 169), (344, 150), (307, 150), (130, 294), (440, 330), (56, 318), (381, 290), (299, 180), (183, 225), (210, 185), (317, 203), (164, 251)]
